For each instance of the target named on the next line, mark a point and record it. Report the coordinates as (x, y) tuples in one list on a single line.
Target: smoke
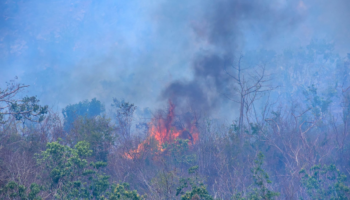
[(143, 52), (220, 30), (330, 20)]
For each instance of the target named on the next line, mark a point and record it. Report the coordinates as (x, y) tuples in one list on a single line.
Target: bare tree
[(250, 85)]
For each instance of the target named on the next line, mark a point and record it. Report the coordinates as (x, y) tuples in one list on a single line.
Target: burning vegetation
[(163, 131)]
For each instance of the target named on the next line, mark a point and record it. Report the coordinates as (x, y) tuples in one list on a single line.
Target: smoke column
[(220, 30)]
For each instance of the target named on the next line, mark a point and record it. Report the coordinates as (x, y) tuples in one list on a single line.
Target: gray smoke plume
[(220, 28)]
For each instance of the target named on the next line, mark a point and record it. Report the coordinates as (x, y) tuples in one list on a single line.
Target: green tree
[(261, 180), (98, 132), (70, 174), (13, 190), (26, 108), (85, 108), (325, 182), (196, 188), (179, 153), (121, 192)]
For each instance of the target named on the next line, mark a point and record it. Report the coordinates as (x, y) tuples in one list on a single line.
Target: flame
[(163, 132)]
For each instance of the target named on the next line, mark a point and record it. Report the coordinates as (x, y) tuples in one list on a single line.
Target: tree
[(325, 182), (85, 108), (97, 131), (197, 190), (70, 174), (249, 85), (121, 192), (18, 143), (26, 108), (261, 179), (13, 190), (124, 112)]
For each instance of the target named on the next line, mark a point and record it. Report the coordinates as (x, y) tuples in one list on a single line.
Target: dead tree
[(249, 85)]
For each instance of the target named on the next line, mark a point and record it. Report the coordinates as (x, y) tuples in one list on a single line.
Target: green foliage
[(97, 132), (13, 190), (120, 191), (86, 108), (325, 183), (318, 104), (165, 184), (261, 181), (197, 193), (27, 108), (71, 174), (197, 190), (179, 153)]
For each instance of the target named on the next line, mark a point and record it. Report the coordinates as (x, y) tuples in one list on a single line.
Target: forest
[(290, 137), (175, 100)]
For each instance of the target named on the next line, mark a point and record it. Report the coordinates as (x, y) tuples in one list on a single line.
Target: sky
[(147, 51)]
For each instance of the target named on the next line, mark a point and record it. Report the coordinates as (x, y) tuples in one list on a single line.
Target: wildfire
[(163, 132)]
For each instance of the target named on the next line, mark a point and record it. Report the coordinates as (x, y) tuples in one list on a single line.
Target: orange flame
[(163, 132)]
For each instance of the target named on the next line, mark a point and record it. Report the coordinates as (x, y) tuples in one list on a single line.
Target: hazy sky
[(68, 51)]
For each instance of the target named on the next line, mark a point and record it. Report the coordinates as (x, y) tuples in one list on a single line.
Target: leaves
[(13, 190), (85, 108), (27, 108), (72, 175), (261, 179), (120, 191), (325, 182)]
